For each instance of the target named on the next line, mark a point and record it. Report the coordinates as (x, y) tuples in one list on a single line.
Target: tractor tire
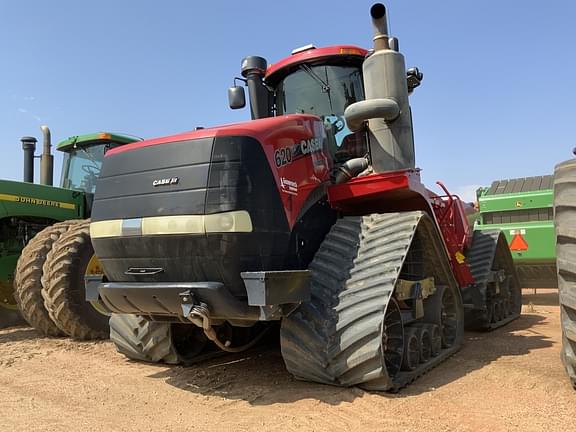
[(64, 291), (142, 340), (28, 280), (565, 222), (351, 332)]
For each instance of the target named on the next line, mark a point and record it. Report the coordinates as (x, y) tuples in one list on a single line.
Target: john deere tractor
[(43, 250)]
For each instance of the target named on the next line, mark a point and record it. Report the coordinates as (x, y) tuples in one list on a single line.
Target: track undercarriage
[(496, 297)]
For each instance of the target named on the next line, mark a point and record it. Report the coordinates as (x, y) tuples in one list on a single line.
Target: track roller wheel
[(412, 349), (507, 307), (497, 311), (425, 342), (442, 309), (492, 313), (449, 322), (435, 340), (70, 259), (28, 279)]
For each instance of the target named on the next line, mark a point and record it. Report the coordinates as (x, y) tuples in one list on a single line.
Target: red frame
[(403, 191)]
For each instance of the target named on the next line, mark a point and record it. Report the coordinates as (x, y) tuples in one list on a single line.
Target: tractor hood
[(208, 204), (34, 200), (215, 170)]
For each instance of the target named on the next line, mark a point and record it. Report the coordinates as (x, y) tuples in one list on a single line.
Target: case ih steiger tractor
[(311, 214), (565, 225), (44, 243)]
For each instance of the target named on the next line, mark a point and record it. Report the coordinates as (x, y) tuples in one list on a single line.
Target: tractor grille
[(214, 175)]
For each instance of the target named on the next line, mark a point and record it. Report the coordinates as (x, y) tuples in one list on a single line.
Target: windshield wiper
[(309, 71), (88, 155), (324, 84)]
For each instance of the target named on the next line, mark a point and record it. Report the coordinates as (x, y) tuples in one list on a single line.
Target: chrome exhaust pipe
[(46, 160)]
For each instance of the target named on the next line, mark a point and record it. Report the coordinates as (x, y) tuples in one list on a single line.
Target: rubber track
[(486, 245), (565, 222), (59, 288), (28, 280), (143, 340), (336, 337)]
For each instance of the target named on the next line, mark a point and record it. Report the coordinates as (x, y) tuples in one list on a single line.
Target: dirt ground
[(508, 380)]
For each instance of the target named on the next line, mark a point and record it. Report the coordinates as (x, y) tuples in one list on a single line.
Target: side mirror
[(236, 97)]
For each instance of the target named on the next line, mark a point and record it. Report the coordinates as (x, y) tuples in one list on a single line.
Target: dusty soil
[(508, 380)]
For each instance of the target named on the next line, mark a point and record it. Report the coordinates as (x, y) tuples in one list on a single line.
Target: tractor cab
[(329, 81), (324, 87), (83, 155), (318, 81)]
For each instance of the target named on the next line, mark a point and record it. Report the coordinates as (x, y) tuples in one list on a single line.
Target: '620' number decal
[(283, 156)]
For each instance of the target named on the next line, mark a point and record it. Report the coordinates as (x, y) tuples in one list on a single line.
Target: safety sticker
[(289, 186)]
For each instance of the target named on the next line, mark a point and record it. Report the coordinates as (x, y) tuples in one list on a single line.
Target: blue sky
[(497, 99)]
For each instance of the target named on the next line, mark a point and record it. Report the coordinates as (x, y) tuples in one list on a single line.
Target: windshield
[(82, 167), (325, 91)]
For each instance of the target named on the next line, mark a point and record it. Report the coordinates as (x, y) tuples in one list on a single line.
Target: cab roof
[(312, 54), (95, 138)]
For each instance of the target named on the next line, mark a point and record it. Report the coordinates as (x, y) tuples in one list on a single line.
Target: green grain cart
[(522, 209), (43, 233)]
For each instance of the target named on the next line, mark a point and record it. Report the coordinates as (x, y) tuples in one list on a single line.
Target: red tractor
[(312, 214)]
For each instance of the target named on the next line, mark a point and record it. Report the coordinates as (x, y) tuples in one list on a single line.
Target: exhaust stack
[(46, 160), (386, 108), (29, 147), (378, 13), (253, 70)]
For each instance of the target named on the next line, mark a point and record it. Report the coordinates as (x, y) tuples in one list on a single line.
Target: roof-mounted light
[(303, 48)]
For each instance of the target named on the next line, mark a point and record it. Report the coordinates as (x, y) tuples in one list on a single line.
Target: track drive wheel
[(442, 310), (71, 258), (142, 340), (565, 222), (28, 280)]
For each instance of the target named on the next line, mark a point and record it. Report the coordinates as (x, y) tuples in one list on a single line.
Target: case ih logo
[(165, 181), (311, 145), (287, 155)]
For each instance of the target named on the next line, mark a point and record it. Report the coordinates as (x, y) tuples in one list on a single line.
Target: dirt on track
[(511, 379)]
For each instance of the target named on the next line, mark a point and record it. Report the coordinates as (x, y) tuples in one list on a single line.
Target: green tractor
[(45, 248), (565, 223), (522, 209)]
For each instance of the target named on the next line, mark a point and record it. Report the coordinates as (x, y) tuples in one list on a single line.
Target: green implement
[(522, 209)]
